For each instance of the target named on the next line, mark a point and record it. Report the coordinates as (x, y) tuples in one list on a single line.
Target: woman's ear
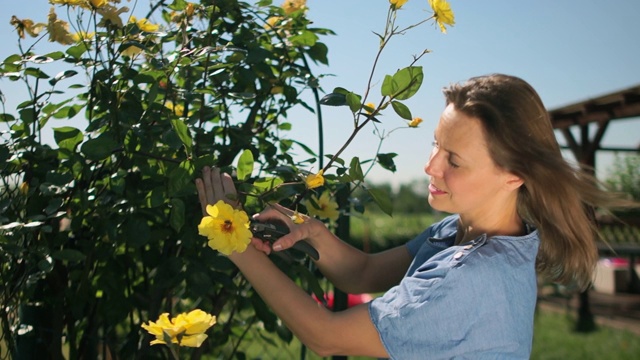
[(513, 181)]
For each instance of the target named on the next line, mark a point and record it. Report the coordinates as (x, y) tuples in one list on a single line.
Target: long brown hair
[(557, 197)]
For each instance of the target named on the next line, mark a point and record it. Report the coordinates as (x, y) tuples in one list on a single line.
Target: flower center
[(227, 226)]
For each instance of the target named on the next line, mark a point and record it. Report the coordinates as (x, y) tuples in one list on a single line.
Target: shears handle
[(274, 230)]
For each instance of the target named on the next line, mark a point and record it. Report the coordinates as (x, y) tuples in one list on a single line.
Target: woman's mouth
[(433, 190)]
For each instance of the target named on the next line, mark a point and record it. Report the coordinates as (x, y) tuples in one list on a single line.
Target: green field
[(554, 339)]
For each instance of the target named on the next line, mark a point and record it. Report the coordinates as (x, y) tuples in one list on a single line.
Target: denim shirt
[(470, 301)]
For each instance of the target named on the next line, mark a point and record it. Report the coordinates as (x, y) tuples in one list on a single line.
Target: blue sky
[(569, 50)]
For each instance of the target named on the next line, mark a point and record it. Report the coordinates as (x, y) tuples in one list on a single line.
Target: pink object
[(615, 262), (352, 299)]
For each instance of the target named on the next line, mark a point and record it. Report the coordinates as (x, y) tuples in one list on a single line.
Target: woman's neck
[(507, 226)]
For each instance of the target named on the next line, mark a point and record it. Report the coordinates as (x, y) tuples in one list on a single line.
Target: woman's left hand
[(215, 186)]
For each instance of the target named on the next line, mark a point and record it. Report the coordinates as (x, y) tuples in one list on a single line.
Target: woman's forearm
[(324, 332)]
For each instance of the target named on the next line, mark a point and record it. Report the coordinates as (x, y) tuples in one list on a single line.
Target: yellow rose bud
[(397, 4), (297, 218), (314, 180), (369, 107), (415, 122), (24, 188)]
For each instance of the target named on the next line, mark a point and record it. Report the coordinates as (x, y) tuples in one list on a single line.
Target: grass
[(554, 339)]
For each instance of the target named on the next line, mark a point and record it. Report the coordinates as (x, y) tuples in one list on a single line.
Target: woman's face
[(463, 177)]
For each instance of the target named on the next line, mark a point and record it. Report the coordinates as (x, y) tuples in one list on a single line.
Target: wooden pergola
[(586, 115), (599, 111)]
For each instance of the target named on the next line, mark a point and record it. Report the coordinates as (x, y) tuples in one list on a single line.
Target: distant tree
[(625, 175), (410, 197)]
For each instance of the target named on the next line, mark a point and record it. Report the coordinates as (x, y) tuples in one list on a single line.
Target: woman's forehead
[(459, 133)]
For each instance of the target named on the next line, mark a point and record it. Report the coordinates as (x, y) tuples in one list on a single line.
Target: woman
[(467, 286)]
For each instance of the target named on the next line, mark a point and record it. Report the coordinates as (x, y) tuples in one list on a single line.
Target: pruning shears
[(272, 231)]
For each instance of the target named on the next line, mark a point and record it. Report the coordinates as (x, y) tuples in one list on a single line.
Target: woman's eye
[(452, 164)]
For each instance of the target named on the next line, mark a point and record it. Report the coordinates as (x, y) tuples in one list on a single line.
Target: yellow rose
[(314, 180), (226, 228), (82, 36), (186, 329), (58, 29), (323, 207), (144, 24), (111, 15), (67, 2), (161, 326), (26, 25), (98, 3), (291, 6), (442, 13)]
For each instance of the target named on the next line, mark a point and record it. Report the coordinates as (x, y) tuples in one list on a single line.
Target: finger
[(229, 188), (202, 195), (208, 188), (216, 181), (261, 245), (287, 241)]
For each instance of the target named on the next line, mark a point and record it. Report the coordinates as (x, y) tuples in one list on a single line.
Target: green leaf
[(334, 99), (381, 198), (266, 184), (402, 110), (181, 179), (318, 53), (7, 117), (27, 115), (245, 165), (77, 50), (386, 161), (67, 112), (407, 82), (182, 130), (136, 231), (56, 55), (304, 38), (54, 205), (354, 101), (355, 170), (62, 75), (35, 72), (155, 197), (99, 148), (67, 137), (387, 88), (177, 218), (70, 255)]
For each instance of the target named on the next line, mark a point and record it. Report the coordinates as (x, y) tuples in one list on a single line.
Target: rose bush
[(99, 229)]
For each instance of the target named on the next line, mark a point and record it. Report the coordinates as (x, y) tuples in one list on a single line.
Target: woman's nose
[(431, 167)]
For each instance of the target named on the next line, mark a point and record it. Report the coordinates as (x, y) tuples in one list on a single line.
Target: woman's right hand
[(306, 228)]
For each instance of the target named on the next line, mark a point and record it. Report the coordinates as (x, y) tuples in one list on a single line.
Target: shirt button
[(458, 255), (468, 247)]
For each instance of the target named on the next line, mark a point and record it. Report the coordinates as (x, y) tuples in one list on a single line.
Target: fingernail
[(277, 247)]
